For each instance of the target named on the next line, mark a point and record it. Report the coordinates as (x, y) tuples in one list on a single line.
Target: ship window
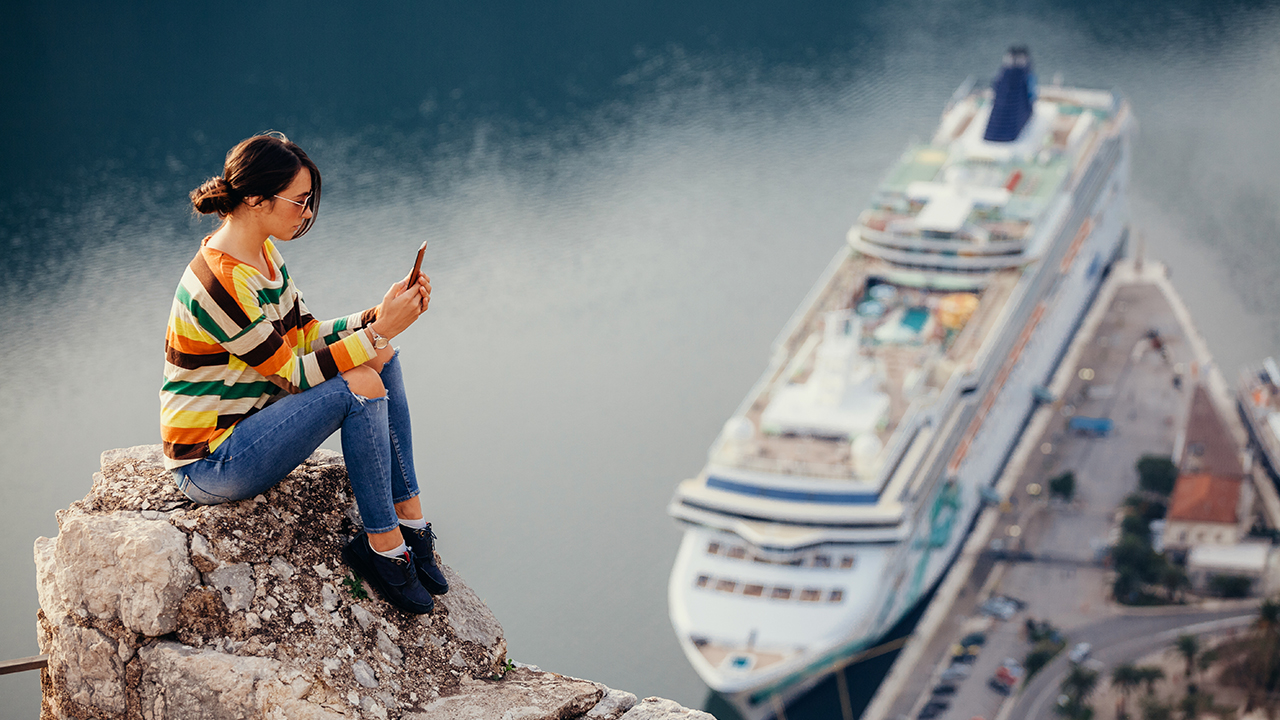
[(822, 561), (846, 562), (811, 595), (737, 552), (703, 580), (726, 585), (781, 593), (753, 590), (795, 562), (713, 548), (835, 596)]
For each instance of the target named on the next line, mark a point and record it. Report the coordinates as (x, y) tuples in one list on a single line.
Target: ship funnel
[(1015, 91)]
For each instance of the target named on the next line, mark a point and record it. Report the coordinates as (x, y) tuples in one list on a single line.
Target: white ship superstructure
[(842, 488)]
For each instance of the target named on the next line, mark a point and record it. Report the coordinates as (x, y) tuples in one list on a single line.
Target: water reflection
[(624, 206)]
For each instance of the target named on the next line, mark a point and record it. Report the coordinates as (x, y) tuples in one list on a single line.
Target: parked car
[(1000, 687), (1010, 671), (974, 639), (1080, 653), (944, 689), (955, 672), (1093, 427), (1001, 606), (933, 709)]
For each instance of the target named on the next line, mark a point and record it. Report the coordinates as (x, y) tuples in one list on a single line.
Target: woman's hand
[(424, 285), (402, 305)]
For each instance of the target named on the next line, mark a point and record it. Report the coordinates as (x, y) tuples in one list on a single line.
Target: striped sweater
[(238, 340)]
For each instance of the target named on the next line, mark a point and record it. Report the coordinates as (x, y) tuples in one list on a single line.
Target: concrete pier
[(1111, 370)]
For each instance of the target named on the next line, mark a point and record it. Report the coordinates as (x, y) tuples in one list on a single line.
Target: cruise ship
[(842, 488)]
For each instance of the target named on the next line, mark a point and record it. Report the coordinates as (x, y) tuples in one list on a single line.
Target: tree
[(1188, 647), (1157, 474), (1135, 525), (1126, 678), (1063, 486), (1078, 686), (1151, 675)]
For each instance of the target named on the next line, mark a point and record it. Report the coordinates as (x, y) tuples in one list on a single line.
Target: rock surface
[(153, 607)]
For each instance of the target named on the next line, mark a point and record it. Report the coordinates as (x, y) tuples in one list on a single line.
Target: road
[(1122, 639)]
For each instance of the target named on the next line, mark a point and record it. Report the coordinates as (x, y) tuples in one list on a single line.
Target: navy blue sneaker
[(394, 578), (422, 543)]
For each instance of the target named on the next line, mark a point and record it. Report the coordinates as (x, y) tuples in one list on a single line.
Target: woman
[(253, 383)]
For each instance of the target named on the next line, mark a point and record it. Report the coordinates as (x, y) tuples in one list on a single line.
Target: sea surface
[(624, 200)]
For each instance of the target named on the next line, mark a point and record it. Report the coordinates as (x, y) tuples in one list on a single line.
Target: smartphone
[(417, 265)]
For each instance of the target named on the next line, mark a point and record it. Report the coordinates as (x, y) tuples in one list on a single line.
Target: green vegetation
[(1077, 687), (1126, 678), (355, 586), (1188, 647), (1046, 643), (1231, 586), (506, 667), (1143, 576), (1151, 674), (1148, 506), (1157, 474), (1063, 486)]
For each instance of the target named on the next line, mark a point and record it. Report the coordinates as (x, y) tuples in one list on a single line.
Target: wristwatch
[(379, 342)]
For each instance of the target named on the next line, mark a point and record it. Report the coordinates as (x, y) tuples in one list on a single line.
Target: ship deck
[(817, 456)]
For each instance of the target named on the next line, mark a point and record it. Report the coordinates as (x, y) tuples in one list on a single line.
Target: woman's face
[(284, 214)]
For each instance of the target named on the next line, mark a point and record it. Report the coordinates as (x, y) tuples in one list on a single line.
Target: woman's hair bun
[(214, 196)]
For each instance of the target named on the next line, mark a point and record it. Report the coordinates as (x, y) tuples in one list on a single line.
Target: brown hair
[(261, 166)]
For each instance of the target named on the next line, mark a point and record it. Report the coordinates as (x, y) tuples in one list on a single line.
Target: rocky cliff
[(154, 607)]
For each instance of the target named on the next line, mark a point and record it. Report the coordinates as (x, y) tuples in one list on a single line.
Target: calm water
[(625, 201)]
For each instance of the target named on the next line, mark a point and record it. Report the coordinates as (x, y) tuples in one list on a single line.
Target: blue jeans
[(377, 445)]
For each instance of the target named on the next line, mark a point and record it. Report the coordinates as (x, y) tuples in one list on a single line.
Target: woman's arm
[(319, 334), (225, 305)]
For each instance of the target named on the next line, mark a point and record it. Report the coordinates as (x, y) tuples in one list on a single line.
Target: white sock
[(419, 524), (394, 553)]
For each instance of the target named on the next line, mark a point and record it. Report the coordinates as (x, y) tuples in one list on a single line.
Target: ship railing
[(788, 466), (943, 262), (997, 244)]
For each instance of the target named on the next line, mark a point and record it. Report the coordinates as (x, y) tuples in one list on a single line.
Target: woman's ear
[(254, 201)]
